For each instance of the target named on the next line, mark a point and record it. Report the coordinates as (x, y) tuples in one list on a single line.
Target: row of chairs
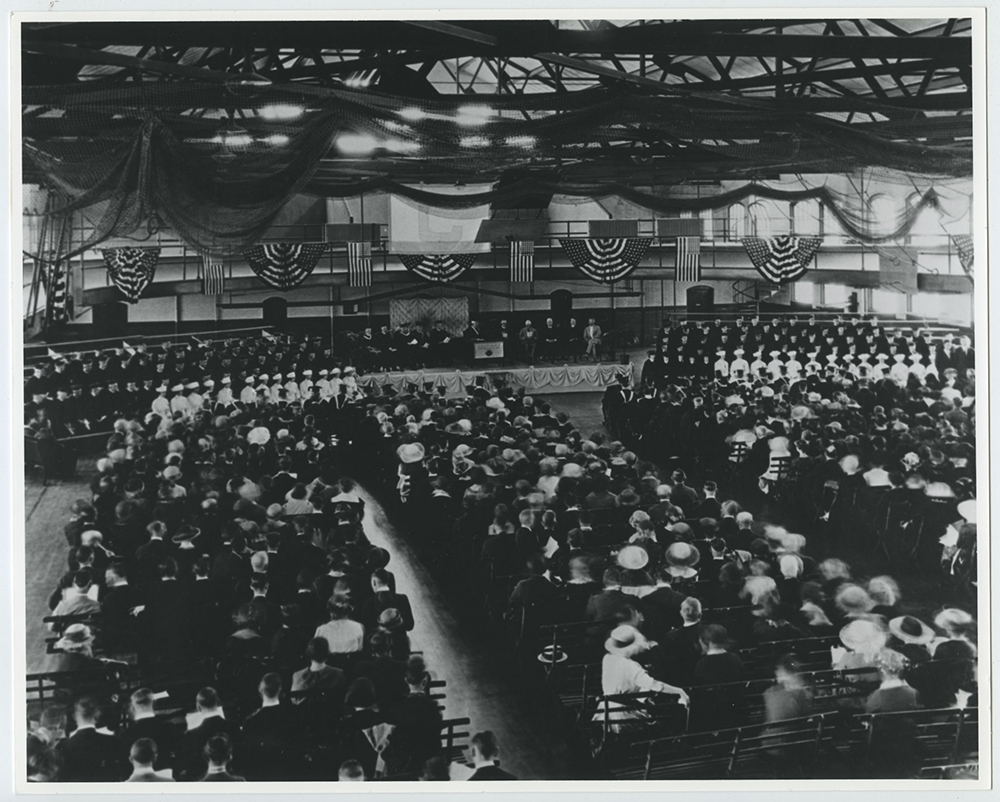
[(939, 740)]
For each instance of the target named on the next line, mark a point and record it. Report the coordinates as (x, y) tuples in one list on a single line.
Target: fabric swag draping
[(606, 260), (284, 265), (131, 269), (781, 259), (438, 266)]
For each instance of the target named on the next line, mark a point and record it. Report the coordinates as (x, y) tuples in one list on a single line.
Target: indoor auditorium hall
[(498, 400)]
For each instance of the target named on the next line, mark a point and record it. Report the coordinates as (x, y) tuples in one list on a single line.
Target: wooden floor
[(46, 550)]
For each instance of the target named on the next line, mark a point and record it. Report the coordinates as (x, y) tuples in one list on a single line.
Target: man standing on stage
[(529, 341), (592, 337)]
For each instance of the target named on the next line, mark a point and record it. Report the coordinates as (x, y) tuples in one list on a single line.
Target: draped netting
[(217, 162)]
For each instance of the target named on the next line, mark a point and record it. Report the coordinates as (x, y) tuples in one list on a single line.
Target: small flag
[(213, 281), (522, 260), (965, 246), (688, 259), (359, 264)]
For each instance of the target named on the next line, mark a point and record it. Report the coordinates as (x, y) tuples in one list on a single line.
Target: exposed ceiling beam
[(88, 56), (457, 31), (520, 37)]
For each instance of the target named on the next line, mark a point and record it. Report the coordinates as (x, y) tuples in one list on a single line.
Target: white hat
[(967, 509), (264, 377), (349, 369), (177, 388), (191, 386), (209, 383), (290, 374), (335, 372), (775, 353), (738, 352), (162, 388), (249, 380), (307, 372), (227, 380), (324, 372), (864, 357)]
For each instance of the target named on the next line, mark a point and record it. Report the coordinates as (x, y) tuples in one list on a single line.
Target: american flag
[(688, 259), (522, 260), (214, 281), (359, 264)]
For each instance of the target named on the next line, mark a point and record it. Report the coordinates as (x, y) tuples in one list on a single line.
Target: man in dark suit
[(387, 675), (142, 756), (145, 724), (537, 588), (661, 609), (167, 614), (149, 555), (212, 724), (710, 506), (483, 754), (673, 660), (384, 598), (88, 755), (119, 625), (268, 740), (217, 753)]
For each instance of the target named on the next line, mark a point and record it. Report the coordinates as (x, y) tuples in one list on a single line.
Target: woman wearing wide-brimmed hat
[(621, 673), (76, 648)]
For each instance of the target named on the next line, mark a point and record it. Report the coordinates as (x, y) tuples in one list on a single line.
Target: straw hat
[(76, 638), (863, 636), (623, 640), (967, 509), (186, 533), (681, 555), (259, 435), (461, 451), (410, 452), (634, 558), (911, 630), (854, 599)]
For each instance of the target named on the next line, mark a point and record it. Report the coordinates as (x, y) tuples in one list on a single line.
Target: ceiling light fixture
[(280, 111), (474, 142), (356, 144)]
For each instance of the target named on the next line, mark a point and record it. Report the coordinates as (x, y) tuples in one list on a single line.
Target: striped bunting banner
[(359, 264), (781, 259), (57, 301), (284, 265), (213, 281), (522, 260), (606, 260), (438, 267), (688, 259), (131, 269)]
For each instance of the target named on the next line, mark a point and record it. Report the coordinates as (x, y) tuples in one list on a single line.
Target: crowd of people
[(499, 490), (221, 544)]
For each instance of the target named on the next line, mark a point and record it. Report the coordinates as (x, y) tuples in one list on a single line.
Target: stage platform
[(545, 380)]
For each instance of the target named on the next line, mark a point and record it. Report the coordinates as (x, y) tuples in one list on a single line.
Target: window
[(737, 223), (886, 302), (807, 218), (759, 221), (836, 295), (804, 292)]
